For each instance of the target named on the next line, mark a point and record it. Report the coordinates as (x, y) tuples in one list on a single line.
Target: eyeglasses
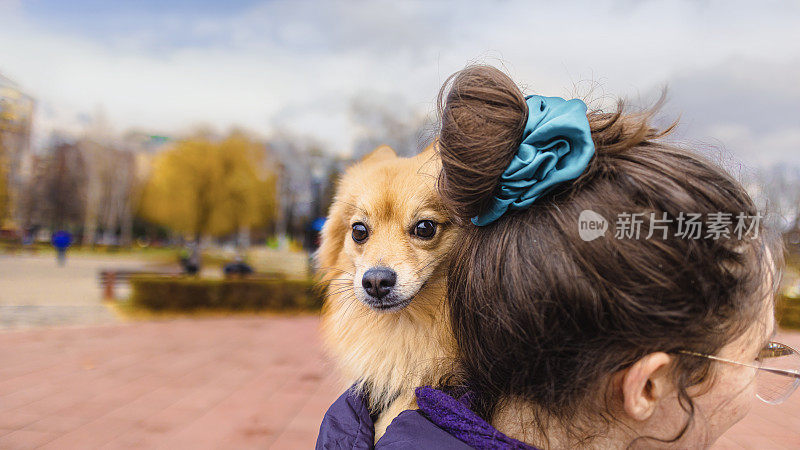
[(778, 371)]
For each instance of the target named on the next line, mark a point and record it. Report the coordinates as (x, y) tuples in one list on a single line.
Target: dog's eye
[(360, 233), (424, 229)]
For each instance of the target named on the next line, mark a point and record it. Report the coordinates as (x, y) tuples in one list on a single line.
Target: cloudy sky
[(732, 67)]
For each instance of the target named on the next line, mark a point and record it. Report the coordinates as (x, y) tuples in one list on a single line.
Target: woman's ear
[(644, 384)]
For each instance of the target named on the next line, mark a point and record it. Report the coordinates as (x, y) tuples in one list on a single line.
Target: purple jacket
[(441, 422)]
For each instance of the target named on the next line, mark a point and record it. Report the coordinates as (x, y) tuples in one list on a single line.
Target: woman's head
[(566, 324)]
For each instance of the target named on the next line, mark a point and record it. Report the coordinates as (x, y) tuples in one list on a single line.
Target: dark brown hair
[(543, 316)]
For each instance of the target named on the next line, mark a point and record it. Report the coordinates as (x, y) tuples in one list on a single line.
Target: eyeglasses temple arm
[(784, 372), (788, 373)]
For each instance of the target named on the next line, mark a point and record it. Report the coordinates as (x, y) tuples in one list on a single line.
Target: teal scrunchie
[(556, 147)]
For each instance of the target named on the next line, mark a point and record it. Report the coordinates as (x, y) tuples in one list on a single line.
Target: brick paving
[(246, 382), (207, 383)]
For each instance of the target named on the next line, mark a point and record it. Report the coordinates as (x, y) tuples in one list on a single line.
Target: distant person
[(28, 236), (61, 240), (190, 259), (237, 269)]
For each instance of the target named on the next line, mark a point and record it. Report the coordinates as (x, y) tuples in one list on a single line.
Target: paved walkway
[(207, 383), (34, 291), (211, 383)]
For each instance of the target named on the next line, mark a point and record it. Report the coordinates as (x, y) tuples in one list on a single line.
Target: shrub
[(787, 310), (164, 293)]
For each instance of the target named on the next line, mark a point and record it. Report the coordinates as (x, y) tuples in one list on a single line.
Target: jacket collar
[(455, 417)]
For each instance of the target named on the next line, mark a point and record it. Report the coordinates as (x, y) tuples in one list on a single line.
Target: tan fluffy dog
[(383, 258)]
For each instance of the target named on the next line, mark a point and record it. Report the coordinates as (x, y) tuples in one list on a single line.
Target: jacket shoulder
[(347, 424)]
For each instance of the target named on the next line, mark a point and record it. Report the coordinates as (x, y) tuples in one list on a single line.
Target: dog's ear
[(332, 239), (379, 154)]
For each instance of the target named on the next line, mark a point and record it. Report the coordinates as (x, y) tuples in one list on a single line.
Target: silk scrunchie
[(556, 147)]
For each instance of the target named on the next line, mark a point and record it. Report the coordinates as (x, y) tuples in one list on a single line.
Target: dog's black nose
[(378, 281)]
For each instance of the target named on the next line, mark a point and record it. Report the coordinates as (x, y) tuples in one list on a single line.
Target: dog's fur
[(387, 353)]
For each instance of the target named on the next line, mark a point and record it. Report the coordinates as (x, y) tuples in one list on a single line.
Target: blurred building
[(16, 119)]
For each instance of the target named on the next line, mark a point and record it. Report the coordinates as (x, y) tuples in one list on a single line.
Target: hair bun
[(483, 117)]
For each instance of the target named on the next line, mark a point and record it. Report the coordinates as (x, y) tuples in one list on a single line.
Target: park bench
[(109, 278)]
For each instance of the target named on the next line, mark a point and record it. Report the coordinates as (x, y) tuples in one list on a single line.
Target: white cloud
[(780, 146), (298, 64)]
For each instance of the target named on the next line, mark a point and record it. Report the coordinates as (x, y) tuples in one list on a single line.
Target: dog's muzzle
[(379, 285)]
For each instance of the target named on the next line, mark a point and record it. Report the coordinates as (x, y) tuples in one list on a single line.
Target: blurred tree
[(779, 188), (305, 170), (16, 113), (6, 124), (201, 187), (4, 197), (109, 172), (4, 200), (56, 193), (385, 120)]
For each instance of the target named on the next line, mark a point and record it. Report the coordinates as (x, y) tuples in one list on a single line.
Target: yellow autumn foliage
[(204, 187)]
